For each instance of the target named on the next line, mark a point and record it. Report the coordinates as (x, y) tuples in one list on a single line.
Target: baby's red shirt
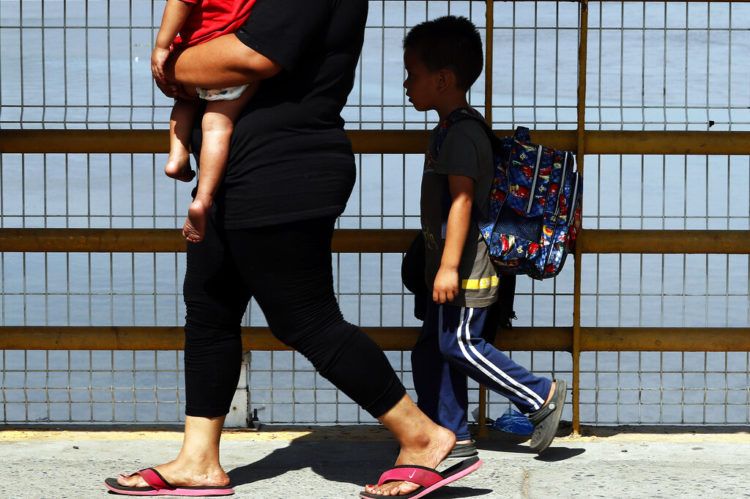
[(210, 19)]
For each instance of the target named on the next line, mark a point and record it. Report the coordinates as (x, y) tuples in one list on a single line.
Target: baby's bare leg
[(217, 125), (180, 128)]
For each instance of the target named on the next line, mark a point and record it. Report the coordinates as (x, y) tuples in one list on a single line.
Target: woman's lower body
[(287, 269)]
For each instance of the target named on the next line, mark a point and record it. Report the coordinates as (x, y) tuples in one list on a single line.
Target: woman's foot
[(181, 474), (428, 450), (195, 224), (178, 166)]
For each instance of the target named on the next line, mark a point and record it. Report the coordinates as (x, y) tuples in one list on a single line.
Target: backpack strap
[(503, 313), (456, 116), (462, 114), (522, 134), (505, 298)]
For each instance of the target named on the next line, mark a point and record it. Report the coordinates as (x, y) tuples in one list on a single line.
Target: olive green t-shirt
[(466, 151)]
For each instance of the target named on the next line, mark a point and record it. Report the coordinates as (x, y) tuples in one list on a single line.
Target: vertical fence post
[(488, 38), (580, 151), (238, 416)]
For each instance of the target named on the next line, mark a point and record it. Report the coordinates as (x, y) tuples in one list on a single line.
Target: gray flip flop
[(459, 451), (468, 449), (547, 419)]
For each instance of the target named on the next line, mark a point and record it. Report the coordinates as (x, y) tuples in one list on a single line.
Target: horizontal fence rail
[(593, 339), (726, 242), (388, 141)]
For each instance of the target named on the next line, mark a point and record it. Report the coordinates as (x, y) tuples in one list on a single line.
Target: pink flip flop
[(428, 479), (158, 486)]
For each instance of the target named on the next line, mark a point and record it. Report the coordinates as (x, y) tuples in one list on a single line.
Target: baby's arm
[(446, 285), (175, 14)]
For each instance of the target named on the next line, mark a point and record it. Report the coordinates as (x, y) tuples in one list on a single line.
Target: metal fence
[(656, 69)]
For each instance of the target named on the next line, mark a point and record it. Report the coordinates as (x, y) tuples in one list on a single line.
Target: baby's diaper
[(229, 93)]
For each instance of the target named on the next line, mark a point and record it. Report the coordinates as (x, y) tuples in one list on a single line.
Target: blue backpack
[(535, 202)]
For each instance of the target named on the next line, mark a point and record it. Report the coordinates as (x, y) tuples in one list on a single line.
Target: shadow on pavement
[(344, 461), (358, 462), (455, 492), (554, 454), (340, 461), (510, 443)]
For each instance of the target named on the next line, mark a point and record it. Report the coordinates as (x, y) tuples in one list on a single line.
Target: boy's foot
[(178, 167), (547, 418), (195, 223), (463, 450)]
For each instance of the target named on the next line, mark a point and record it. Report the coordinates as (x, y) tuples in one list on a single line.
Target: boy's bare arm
[(446, 285), (175, 14)]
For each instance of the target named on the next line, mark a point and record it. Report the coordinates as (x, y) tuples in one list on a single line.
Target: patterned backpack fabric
[(535, 203)]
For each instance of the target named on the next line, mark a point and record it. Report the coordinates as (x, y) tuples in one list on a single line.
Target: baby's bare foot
[(178, 166), (195, 224)]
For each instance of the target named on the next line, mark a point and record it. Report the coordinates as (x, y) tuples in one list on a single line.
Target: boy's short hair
[(449, 42)]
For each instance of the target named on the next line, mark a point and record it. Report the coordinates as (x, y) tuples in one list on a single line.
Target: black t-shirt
[(290, 159)]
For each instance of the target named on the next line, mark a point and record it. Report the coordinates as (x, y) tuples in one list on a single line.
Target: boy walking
[(443, 58)]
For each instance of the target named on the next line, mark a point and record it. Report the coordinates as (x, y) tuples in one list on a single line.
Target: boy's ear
[(446, 79)]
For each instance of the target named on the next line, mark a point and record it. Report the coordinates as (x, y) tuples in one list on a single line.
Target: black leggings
[(287, 268)]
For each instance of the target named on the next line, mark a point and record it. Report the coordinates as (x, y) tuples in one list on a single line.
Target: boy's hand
[(159, 58), (445, 287)]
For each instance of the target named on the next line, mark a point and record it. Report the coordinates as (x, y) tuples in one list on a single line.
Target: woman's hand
[(159, 58), (176, 91), (445, 287)]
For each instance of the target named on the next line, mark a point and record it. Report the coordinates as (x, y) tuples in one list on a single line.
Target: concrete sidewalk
[(335, 462)]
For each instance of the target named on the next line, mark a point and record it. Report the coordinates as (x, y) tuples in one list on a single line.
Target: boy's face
[(421, 84)]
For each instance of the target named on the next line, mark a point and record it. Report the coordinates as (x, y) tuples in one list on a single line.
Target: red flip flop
[(428, 479), (159, 486)]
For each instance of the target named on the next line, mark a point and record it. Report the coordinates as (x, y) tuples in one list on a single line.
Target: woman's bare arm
[(222, 62)]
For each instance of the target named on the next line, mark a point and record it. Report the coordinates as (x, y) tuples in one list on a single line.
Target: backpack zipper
[(562, 183), (572, 205), (557, 204), (536, 175)]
